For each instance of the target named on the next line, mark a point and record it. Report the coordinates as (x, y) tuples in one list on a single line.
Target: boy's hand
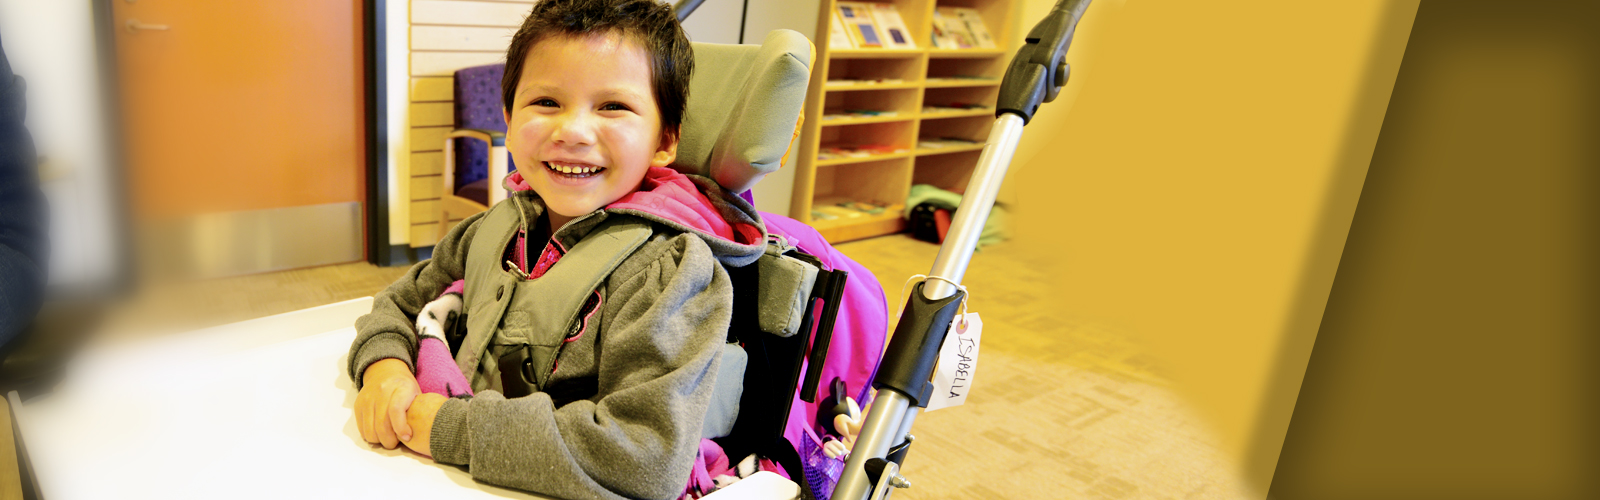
[(420, 418), (387, 390)]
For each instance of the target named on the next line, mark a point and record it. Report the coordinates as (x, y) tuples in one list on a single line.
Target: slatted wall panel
[(446, 35)]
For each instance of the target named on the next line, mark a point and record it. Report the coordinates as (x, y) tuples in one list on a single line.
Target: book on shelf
[(854, 210), (959, 78), (895, 34), (953, 108), (973, 22), (848, 81), (838, 37), (961, 28), (857, 151), (831, 212), (945, 142), (940, 37), (858, 21), (857, 113)]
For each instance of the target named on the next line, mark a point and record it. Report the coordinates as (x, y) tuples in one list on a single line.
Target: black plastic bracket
[(874, 468), (1039, 69), (909, 360), (897, 453), (516, 373), (829, 288)]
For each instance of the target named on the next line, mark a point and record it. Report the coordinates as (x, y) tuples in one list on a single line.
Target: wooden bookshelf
[(901, 81)]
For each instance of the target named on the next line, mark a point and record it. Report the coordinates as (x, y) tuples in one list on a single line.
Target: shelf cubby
[(902, 101), (909, 69), (992, 67), (901, 134), (972, 128), (948, 96), (949, 171), (881, 182)]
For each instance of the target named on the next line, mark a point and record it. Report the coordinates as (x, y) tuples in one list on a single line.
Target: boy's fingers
[(364, 422), (381, 427), (398, 404)]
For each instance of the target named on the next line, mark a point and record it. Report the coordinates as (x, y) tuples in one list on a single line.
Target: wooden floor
[(1059, 409)]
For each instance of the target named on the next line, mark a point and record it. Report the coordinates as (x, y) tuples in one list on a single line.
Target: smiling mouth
[(573, 170)]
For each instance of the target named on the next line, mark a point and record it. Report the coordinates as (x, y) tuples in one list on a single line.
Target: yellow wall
[(1195, 183)]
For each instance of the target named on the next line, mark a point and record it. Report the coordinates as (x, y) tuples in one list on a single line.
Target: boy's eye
[(545, 103), (615, 106)]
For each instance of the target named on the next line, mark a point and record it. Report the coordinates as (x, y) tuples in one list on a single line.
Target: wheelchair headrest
[(744, 108)]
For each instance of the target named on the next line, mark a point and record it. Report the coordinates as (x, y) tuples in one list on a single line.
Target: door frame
[(122, 279), (375, 51)]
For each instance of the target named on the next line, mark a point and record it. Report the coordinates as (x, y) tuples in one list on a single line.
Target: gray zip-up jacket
[(621, 414)]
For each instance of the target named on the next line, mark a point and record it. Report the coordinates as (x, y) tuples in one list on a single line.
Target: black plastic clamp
[(1039, 69), (914, 349)]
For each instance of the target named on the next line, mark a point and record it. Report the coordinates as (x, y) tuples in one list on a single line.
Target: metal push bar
[(683, 8), (1035, 76)]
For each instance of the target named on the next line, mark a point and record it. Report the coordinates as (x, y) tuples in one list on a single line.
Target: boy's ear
[(507, 113), (667, 152)]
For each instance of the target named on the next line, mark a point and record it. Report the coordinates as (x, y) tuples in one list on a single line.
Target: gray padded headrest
[(744, 108)]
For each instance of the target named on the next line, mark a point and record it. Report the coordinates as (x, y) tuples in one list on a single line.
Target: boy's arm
[(389, 330), (658, 351)]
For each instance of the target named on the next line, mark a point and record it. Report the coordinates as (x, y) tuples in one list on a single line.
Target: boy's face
[(585, 126)]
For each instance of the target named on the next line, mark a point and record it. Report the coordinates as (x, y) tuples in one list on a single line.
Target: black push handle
[(1039, 69), (683, 8)]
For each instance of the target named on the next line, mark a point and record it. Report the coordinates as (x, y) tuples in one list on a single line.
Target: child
[(594, 94)]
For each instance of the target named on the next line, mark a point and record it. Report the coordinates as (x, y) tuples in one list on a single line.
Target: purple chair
[(475, 158)]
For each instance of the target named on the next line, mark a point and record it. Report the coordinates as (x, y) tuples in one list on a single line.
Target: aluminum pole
[(883, 427), (956, 252)]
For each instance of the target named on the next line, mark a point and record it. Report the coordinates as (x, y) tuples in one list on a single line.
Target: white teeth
[(568, 169)]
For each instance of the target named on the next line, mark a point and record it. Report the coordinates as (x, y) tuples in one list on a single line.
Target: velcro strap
[(785, 286)]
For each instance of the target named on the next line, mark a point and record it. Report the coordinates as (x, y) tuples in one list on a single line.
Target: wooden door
[(241, 105)]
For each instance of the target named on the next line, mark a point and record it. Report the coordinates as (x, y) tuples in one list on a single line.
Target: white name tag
[(958, 363)]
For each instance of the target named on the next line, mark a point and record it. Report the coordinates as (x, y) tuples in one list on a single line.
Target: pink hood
[(671, 195)]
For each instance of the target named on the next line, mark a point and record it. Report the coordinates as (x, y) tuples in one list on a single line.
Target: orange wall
[(243, 105)]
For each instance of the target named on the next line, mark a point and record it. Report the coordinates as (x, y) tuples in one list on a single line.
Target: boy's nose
[(574, 129)]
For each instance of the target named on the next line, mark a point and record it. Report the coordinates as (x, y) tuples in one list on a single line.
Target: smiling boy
[(585, 112), (582, 391)]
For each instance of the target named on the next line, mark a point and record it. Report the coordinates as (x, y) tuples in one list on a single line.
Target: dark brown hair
[(649, 22)]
